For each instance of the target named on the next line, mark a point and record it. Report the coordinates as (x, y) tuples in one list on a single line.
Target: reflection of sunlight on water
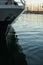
[(26, 22), (29, 28)]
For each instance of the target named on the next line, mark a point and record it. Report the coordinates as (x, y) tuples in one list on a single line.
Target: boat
[(10, 9)]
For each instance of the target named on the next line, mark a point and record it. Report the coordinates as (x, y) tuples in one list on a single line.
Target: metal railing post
[(23, 2)]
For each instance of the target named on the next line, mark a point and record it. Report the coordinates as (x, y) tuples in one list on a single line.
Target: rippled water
[(29, 29)]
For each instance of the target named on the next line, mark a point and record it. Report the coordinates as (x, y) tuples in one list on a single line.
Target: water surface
[(29, 29)]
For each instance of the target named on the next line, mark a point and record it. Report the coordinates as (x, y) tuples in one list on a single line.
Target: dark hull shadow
[(10, 51)]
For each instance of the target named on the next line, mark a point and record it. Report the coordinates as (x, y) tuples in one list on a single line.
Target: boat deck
[(10, 6)]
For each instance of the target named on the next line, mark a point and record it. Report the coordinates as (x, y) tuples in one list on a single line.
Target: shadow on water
[(3, 46), (10, 51)]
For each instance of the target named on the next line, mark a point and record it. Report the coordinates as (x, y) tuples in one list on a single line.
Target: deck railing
[(22, 2)]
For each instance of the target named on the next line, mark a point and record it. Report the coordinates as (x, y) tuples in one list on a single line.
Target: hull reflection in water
[(15, 55), (29, 28)]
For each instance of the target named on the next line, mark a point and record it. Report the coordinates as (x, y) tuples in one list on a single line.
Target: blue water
[(29, 29)]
